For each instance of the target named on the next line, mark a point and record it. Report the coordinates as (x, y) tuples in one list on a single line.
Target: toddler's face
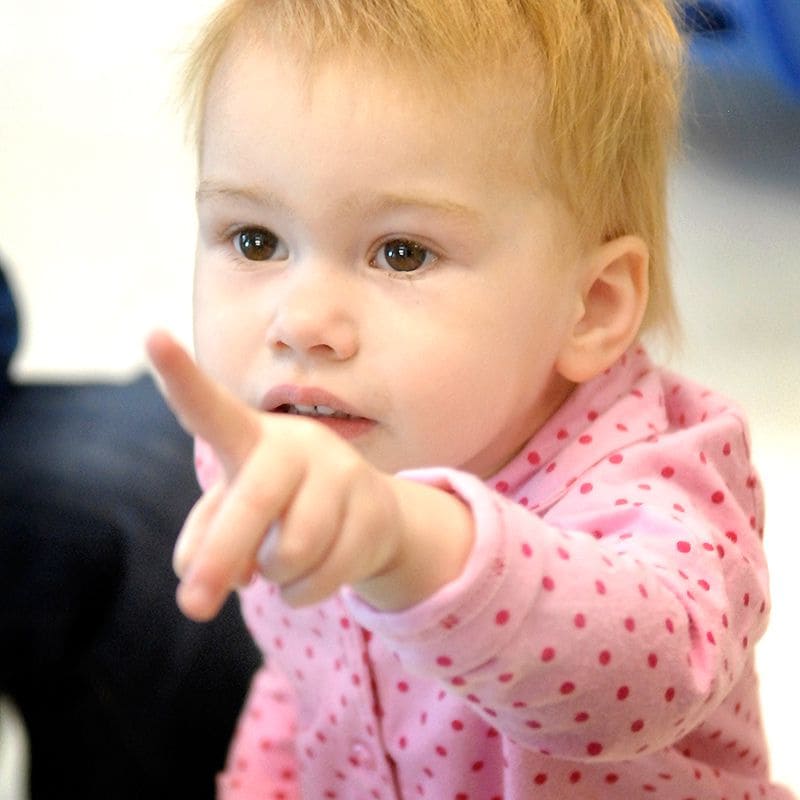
[(366, 249)]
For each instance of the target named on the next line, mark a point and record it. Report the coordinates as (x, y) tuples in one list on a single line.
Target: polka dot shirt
[(598, 644)]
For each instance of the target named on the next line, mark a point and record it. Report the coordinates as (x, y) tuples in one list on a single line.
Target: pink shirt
[(599, 642)]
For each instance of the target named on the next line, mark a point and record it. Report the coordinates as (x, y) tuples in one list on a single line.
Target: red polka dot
[(477, 766), (669, 695), (402, 686), (585, 439), (540, 779), (562, 434), (574, 777), (502, 617), (444, 661), (581, 716), (652, 660), (441, 751), (501, 487), (683, 547), (506, 677), (457, 725), (580, 621), (594, 748), (534, 458), (548, 583), (623, 692), (612, 777), (527, 550), (586, 488), (604, 657), (637, 725), (600, 587), (630, 624), (548, 654), (617, 458), (718, 497), (568, 687), (667, 472)]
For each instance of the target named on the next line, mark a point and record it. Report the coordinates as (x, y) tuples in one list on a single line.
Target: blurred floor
[(96, 220)]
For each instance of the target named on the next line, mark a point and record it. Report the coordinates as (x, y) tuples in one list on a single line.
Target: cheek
[(218, 336), (227, 305)]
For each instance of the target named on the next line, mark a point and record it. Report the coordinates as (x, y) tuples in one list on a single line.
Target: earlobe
[(610, 305)]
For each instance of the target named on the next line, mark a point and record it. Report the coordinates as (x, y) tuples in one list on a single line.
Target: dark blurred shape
[(749, 38), (123, 698)]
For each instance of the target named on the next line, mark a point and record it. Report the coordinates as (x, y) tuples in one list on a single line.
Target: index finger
[(202, 405)]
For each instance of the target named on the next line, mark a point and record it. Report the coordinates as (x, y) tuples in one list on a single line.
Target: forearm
[(553, 630)]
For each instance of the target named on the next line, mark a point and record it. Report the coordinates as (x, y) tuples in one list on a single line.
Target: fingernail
[(180, 556), (267, 547)]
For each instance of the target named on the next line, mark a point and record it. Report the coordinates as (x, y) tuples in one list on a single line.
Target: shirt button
[(361, 756)]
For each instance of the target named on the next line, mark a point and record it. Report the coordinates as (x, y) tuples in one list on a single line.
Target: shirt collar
[(624, 404)]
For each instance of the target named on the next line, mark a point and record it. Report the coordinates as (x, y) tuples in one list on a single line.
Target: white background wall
[(96, 223)]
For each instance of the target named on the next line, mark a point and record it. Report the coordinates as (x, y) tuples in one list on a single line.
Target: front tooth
[(316, 411)]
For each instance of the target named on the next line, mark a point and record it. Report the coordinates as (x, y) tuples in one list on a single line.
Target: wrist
[(435, 537)]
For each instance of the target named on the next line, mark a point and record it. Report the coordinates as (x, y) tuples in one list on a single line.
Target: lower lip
[(347, 428)]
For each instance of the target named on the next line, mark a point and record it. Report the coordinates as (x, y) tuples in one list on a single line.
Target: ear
[(610, 304)]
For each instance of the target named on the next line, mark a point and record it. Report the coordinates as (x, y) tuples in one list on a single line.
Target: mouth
[(320, 405)]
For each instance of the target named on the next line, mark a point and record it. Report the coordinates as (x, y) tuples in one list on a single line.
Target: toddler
[(487, 547)]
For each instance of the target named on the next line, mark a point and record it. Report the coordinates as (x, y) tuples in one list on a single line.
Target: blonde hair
[(603, 76)]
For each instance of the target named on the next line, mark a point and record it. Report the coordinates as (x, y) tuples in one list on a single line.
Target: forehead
[(273, 84)]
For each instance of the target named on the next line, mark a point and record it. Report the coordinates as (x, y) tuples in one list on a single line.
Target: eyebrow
[(209, 190)]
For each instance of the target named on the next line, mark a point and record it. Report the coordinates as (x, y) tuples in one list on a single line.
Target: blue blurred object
[(760, 38)]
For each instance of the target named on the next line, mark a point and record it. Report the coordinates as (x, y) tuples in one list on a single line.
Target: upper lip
[(292, 395)]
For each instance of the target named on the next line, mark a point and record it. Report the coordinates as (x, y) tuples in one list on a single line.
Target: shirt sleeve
[(261, 760), (611, 623)]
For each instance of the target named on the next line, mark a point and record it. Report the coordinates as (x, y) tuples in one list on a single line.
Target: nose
[(314, 317)]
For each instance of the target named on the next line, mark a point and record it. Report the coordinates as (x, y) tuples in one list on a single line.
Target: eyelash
[(407, 247)]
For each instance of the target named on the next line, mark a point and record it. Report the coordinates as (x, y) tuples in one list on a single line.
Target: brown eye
[(402, 255), (256, 244)]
